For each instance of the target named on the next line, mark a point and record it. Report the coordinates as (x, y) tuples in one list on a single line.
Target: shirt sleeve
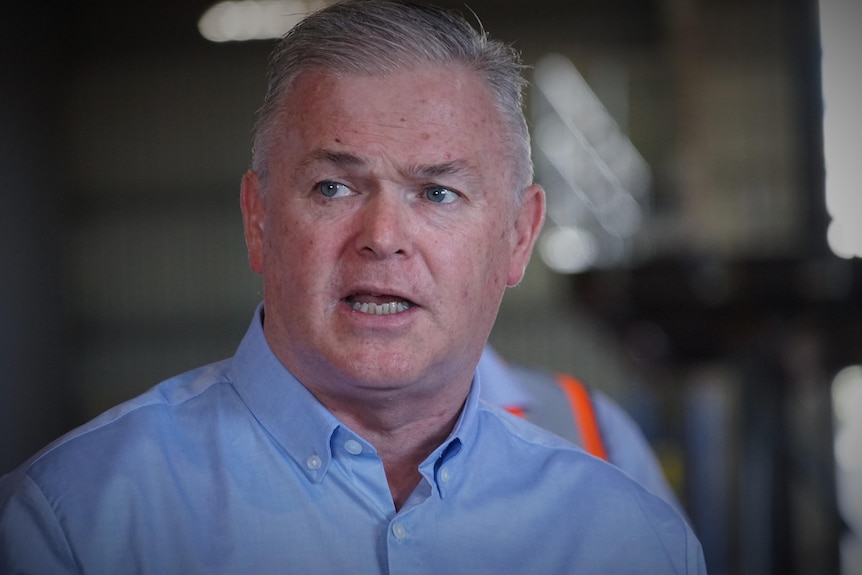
[(31, 538)]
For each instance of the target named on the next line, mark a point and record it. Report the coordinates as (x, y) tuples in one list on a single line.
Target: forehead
[(431, 113)]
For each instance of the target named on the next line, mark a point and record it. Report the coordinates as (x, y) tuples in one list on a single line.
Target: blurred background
[(699, 264)]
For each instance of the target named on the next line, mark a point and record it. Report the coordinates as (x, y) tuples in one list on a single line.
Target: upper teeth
[(381, 309)]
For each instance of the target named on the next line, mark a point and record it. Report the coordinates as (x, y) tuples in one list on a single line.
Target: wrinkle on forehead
[(452, 168), (443, 124)]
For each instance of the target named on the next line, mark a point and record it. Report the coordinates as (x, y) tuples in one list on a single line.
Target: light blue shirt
[(626, 446), (236, 468)]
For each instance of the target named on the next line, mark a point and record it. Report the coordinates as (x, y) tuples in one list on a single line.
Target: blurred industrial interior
[(685, 268)]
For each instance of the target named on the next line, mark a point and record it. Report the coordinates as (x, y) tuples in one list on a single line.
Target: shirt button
[(353, 447), (444, 475), (399, 531), (313, 462)]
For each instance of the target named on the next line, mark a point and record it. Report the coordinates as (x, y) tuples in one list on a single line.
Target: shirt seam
[(68, 548)]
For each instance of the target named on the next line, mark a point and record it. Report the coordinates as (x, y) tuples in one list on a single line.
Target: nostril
[(384, 226)]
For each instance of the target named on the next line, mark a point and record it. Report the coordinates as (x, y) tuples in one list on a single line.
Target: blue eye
[(440, 195), (333, 189)]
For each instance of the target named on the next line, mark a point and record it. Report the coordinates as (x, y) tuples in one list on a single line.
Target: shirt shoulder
[(496, 418), (555, 482), (164, 409), (568, 470)]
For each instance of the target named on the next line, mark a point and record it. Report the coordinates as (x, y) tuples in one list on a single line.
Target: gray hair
[(380, 36)]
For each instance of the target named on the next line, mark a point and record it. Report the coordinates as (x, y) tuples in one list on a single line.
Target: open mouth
[(378, 304)]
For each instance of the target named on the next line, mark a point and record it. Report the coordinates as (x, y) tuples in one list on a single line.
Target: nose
[(384, 226)]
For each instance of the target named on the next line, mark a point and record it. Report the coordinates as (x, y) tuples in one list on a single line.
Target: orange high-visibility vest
[(578, 424)]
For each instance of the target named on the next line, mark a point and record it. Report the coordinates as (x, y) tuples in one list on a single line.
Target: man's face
[(388, 229)]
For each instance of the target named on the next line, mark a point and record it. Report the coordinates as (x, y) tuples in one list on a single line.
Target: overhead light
[(236, 21)]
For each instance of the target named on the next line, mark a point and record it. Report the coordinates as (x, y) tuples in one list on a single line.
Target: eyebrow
[(336, 158), (431, 171), (415, 171)]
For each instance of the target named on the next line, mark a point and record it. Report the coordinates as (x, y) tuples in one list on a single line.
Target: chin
[(381, 369)]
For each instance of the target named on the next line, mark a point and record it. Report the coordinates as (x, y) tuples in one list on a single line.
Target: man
[(388, 207)]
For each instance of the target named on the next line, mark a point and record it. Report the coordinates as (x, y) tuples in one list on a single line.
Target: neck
[(403, 436)]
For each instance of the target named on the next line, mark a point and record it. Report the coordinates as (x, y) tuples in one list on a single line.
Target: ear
[(253, 213), (528, 224)]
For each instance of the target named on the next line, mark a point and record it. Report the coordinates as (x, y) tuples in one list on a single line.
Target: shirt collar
[(434, 468), (283, 406)]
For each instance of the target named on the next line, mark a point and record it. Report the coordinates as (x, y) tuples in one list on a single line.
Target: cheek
[(287, 248), (500, 256), (484, 263)]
